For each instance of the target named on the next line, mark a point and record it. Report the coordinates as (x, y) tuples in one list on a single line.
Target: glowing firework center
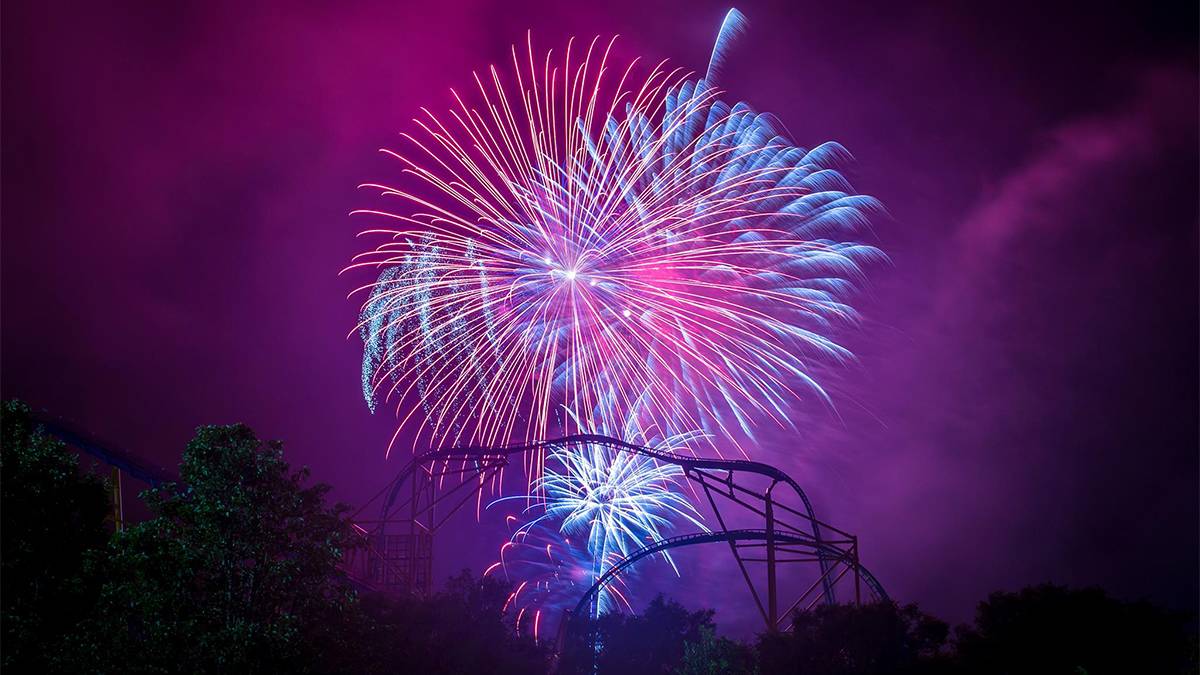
[(583, 248)]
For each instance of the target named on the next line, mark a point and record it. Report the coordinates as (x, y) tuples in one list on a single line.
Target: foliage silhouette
[(1053, 629), (51, 515), (713, 655), (459, 630), (237, 571), (652, 642), (844, 639)]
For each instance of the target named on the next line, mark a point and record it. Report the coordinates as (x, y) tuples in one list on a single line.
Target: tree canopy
[(1054, 629), (237, 571), (655, 641), (881, 637), (461, 629), (51, 515)]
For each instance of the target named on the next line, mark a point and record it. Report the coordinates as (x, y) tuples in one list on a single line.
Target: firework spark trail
[(568, 240), (551, 572), (609, 502)]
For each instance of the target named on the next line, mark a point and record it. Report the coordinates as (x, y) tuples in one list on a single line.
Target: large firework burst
[(575, 235)]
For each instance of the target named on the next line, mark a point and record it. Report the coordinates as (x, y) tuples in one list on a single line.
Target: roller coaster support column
[(118, 513), (772, 592), (412, 527), (857, 576)]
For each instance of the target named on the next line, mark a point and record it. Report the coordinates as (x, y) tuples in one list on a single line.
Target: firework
[(574, 235), (609, 502), (549, 572)]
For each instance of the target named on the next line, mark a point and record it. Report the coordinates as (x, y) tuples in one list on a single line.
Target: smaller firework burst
[(549, 573), (609, 503)]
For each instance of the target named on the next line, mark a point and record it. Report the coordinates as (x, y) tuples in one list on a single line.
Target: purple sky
[(176, 181)]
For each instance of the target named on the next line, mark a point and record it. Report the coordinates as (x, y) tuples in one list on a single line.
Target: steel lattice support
[(397, 553), (843, 557), (440, 482)]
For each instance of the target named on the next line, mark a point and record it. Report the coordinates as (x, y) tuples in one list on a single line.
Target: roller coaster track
[(825, 551), (109, 453), (825, 544)]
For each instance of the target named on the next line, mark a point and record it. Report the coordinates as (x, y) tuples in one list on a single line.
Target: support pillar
[(772, 593), (117, 505)]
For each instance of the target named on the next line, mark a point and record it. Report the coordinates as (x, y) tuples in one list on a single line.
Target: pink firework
[(617, 240)]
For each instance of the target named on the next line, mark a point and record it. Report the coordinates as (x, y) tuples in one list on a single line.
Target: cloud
[(1044, 193), (1034, 406)]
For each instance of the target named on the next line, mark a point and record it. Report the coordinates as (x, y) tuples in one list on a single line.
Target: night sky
[(177, 180)]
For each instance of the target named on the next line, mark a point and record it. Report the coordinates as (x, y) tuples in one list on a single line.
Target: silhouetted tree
[(459, 630), (712, 655), (652, 642), (848, 639), (51, 515), (1052, 629), (236, 572)]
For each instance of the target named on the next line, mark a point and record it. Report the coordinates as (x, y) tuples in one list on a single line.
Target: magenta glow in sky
[(177, 178)]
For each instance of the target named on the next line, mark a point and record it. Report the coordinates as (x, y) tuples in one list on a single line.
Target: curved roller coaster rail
[(806, 548), (436, 484)]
